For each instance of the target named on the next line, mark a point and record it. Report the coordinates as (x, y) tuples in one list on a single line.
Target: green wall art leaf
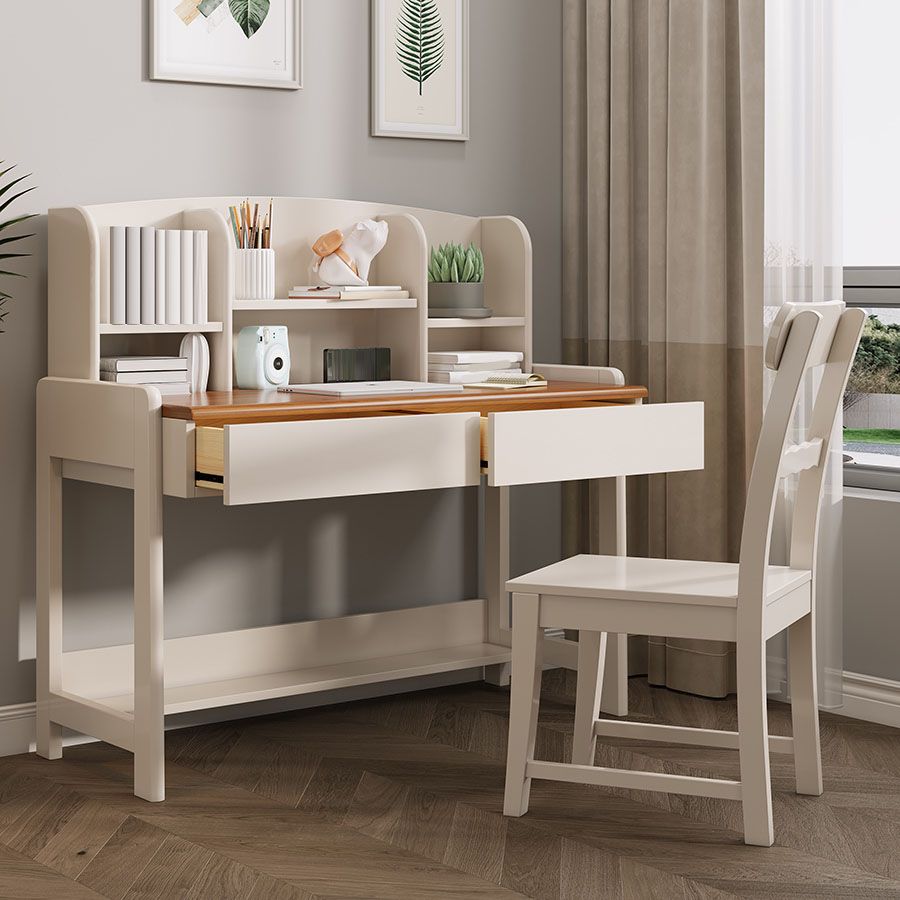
[(420, 40), (249, 14)]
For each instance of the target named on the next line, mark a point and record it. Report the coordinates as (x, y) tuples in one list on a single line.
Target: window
[(872, 401), (870, 79)]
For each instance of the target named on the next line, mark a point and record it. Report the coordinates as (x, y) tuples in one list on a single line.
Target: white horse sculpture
[(345, 259)]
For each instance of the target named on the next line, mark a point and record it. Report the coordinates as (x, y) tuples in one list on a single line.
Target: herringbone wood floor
[(401, 798)]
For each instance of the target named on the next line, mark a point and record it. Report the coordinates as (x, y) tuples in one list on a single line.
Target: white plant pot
[(254, 275)]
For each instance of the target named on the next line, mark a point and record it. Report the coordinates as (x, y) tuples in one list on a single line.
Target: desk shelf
[(492, 322), (290, 305), (207, 328), (272, 686)]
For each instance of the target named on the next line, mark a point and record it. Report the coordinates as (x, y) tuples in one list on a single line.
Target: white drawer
[(573, 444), (277, 461)]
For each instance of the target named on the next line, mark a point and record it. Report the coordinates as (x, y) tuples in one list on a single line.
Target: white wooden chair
[(747, 603)]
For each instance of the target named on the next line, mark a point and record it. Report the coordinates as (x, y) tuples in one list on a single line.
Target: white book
[(470, 367), (117, 275), (187, 277), (468, 377), (201, 277), (160, 277), (370, 388), (475, 356), (133, 275), (173, 278), (143, 363), (182, 387), (148, 275), (144, 377), (346, 289)]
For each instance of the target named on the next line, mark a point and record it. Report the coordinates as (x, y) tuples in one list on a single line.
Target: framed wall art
[(420, 69), (255, 43)]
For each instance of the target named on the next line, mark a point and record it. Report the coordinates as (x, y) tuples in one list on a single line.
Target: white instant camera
[(262, 357)]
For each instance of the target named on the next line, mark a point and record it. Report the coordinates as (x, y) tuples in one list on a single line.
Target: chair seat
[(657, 580)]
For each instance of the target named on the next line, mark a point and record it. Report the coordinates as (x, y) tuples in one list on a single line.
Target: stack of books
[(472, 366), (167, 373), (158, 276), (353, 292)]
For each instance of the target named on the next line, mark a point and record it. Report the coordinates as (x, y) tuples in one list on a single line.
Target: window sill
[(872, 478)]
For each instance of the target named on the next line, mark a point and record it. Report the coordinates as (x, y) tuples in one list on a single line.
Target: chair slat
[(799, 457)]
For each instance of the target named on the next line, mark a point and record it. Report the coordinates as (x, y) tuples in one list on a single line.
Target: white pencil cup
[(254, 274)]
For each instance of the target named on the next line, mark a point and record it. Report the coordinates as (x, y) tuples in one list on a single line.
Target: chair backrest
[(803, 337)]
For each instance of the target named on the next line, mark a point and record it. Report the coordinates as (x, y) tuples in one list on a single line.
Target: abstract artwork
[(420, 62), (255, 43)]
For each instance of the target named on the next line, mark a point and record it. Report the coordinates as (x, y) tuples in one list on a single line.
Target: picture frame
[(218, 42), (420, 89)]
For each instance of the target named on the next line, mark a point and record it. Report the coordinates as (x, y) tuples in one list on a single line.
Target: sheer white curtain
[(803, 185)]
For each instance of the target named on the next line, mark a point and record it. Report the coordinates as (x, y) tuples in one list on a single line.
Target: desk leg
[(496, 574), (612, 540), (48, 610), (149, 701)]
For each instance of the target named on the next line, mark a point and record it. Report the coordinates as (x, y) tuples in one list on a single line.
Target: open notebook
[(522, 381)]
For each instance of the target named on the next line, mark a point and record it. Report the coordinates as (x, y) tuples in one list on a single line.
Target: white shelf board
[(270, 686), (282, 305), (208, 328), (492, 322)]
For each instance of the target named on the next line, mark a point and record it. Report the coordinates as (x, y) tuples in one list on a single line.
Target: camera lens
[(278, 363)]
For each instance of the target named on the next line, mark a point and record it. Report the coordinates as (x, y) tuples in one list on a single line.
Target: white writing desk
[(242, 447), (255, 447)]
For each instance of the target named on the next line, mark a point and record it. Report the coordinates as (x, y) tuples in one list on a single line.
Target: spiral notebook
[(512, 382)]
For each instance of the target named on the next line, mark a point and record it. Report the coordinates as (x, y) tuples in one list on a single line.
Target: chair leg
[(753, 745), (805, 706), (591, 660), (527, 643)]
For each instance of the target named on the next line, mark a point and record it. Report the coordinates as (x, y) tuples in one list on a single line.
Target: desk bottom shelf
[(275, 685), (111, 718)]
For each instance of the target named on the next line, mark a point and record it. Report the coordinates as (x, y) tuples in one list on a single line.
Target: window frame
[(871, 287)]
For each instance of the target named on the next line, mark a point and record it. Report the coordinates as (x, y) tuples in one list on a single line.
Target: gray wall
[(872, 583), (78, 111)]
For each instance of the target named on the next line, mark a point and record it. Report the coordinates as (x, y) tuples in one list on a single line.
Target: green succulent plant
[(6, 241), (453, 263)]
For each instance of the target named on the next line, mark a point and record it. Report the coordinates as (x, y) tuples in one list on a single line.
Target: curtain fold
[(663, 240), (803, 262)]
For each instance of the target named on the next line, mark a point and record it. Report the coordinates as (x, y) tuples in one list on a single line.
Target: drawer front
[(278, 461), (574, 444)]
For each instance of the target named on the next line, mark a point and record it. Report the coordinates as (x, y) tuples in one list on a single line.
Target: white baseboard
[(866, 697), (871, 699), (17, 723)]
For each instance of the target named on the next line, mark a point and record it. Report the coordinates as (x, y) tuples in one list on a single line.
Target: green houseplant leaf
[(453, 263), (249, 14), (420, 40), (8, 242)]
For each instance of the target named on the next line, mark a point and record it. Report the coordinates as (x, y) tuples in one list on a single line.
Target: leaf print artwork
[(420, 40), (249, 14)]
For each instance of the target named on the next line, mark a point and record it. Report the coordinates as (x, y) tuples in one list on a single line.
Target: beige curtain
[(663, 239)]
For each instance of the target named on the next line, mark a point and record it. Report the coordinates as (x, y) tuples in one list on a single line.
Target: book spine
[(173, 278), (187, 277), (148, 275), (201, 277), (132, 275), (117, 274), (160, 277)]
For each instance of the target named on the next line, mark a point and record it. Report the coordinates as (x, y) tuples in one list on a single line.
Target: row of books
[(158, 276), (167, 373), (472, 366)]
